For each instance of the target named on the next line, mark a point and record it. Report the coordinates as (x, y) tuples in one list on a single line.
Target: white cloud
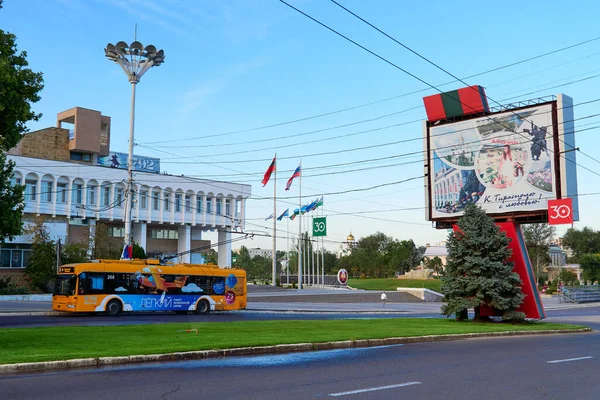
[(191, 288)]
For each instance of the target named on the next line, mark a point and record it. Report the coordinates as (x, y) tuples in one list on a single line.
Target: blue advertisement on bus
[(164, 302)]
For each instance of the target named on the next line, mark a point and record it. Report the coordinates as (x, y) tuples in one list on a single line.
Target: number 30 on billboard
[(560, 211)]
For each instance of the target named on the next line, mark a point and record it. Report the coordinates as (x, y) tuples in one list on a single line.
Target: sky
[(234, 67)]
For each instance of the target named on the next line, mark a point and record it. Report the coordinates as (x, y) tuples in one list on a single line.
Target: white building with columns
[(64, 184)]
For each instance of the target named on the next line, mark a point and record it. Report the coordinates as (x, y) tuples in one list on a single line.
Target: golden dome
[(350, 238)]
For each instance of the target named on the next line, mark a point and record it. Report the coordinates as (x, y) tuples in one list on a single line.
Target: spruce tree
[(478, 272)]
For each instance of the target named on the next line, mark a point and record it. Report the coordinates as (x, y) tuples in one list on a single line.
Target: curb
[(260, 350)]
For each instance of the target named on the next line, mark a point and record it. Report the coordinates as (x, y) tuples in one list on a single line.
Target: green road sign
[(320, 226)]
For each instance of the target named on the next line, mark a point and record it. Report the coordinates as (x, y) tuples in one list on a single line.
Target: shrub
[(9, 288)]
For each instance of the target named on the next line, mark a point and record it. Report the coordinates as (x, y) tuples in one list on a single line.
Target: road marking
[(569, 360), (374, 389)]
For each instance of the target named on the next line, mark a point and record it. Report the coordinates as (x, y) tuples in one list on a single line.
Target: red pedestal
[(532, 304)]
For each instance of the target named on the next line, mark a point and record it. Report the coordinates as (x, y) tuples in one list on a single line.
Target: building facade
[(65, 185)]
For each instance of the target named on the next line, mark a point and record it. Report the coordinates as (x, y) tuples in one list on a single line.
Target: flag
[(269, 217), (320, 202), (285, 214), (294, 175), (269, 172), (127, 252), (295, 214), (312, 206)]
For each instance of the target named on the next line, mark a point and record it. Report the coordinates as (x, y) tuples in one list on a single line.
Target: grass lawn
[(393, 283), (61, 343)]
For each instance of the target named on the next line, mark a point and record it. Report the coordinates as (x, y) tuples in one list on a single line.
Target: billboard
[(140, 163), (509, 163)]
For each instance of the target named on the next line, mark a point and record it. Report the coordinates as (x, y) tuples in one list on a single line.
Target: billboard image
[(140, 163), (503, 162)]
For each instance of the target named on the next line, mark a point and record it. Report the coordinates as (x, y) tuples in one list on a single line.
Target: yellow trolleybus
[(113, 286)]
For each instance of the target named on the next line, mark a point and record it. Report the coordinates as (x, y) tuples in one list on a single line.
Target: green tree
[(478, 272), (74, 253), (590, 264), (585, 241), (567, 277), (243, 259), (102, 246), (537, 240), (19, 88), (435, 264), (41, 268), (138, 252)]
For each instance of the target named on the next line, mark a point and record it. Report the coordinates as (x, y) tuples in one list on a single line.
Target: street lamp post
[(135, 59)]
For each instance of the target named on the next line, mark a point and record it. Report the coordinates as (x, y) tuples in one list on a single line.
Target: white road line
[(569, 360), (374, 389)]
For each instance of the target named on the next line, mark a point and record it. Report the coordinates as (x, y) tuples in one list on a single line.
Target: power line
[(378, 101)]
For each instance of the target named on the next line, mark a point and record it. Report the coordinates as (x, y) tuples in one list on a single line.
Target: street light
[(135, 59)]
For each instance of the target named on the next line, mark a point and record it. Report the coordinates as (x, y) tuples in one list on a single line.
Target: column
[(224, 250), (54, 196), (69, 198), (139, 234), (84, 196), (138, 200), (92, 234), (242, 216), (38, 198), (194, 205), (213, 208), (111, 200), (184, 242), (203, 218), (161, 205)]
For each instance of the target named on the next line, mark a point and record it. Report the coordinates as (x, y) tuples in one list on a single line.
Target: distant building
[(266, 253), (438, 250)]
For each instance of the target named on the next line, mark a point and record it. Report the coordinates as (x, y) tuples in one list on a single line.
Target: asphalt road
[(541, 367)]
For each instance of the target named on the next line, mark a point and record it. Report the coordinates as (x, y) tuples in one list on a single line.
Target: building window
[(238, 207), (155, 200), (77, 193), (218, 206), (199, 204), (177, 202), (30, 190), (105, 196), (14, 256), (118, 232), (144, 200), (47, 191), (227, 207), (119, 197), (164, 234), (167, 201), (15, 181), (92, 195), (61, 192), (209, 205), (75, 156), (188, 204)]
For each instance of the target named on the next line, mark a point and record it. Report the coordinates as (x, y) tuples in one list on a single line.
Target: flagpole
[(274, 272), (287, 251), (300, 230), (322, 248)]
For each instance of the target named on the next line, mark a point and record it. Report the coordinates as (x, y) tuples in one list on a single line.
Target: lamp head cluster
[(134, 58)]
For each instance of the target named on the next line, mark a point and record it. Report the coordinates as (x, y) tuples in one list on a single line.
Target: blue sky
[(236, 65)]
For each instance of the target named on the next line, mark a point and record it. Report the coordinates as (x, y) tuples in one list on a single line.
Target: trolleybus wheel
[(113, 307), (203, 307)]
